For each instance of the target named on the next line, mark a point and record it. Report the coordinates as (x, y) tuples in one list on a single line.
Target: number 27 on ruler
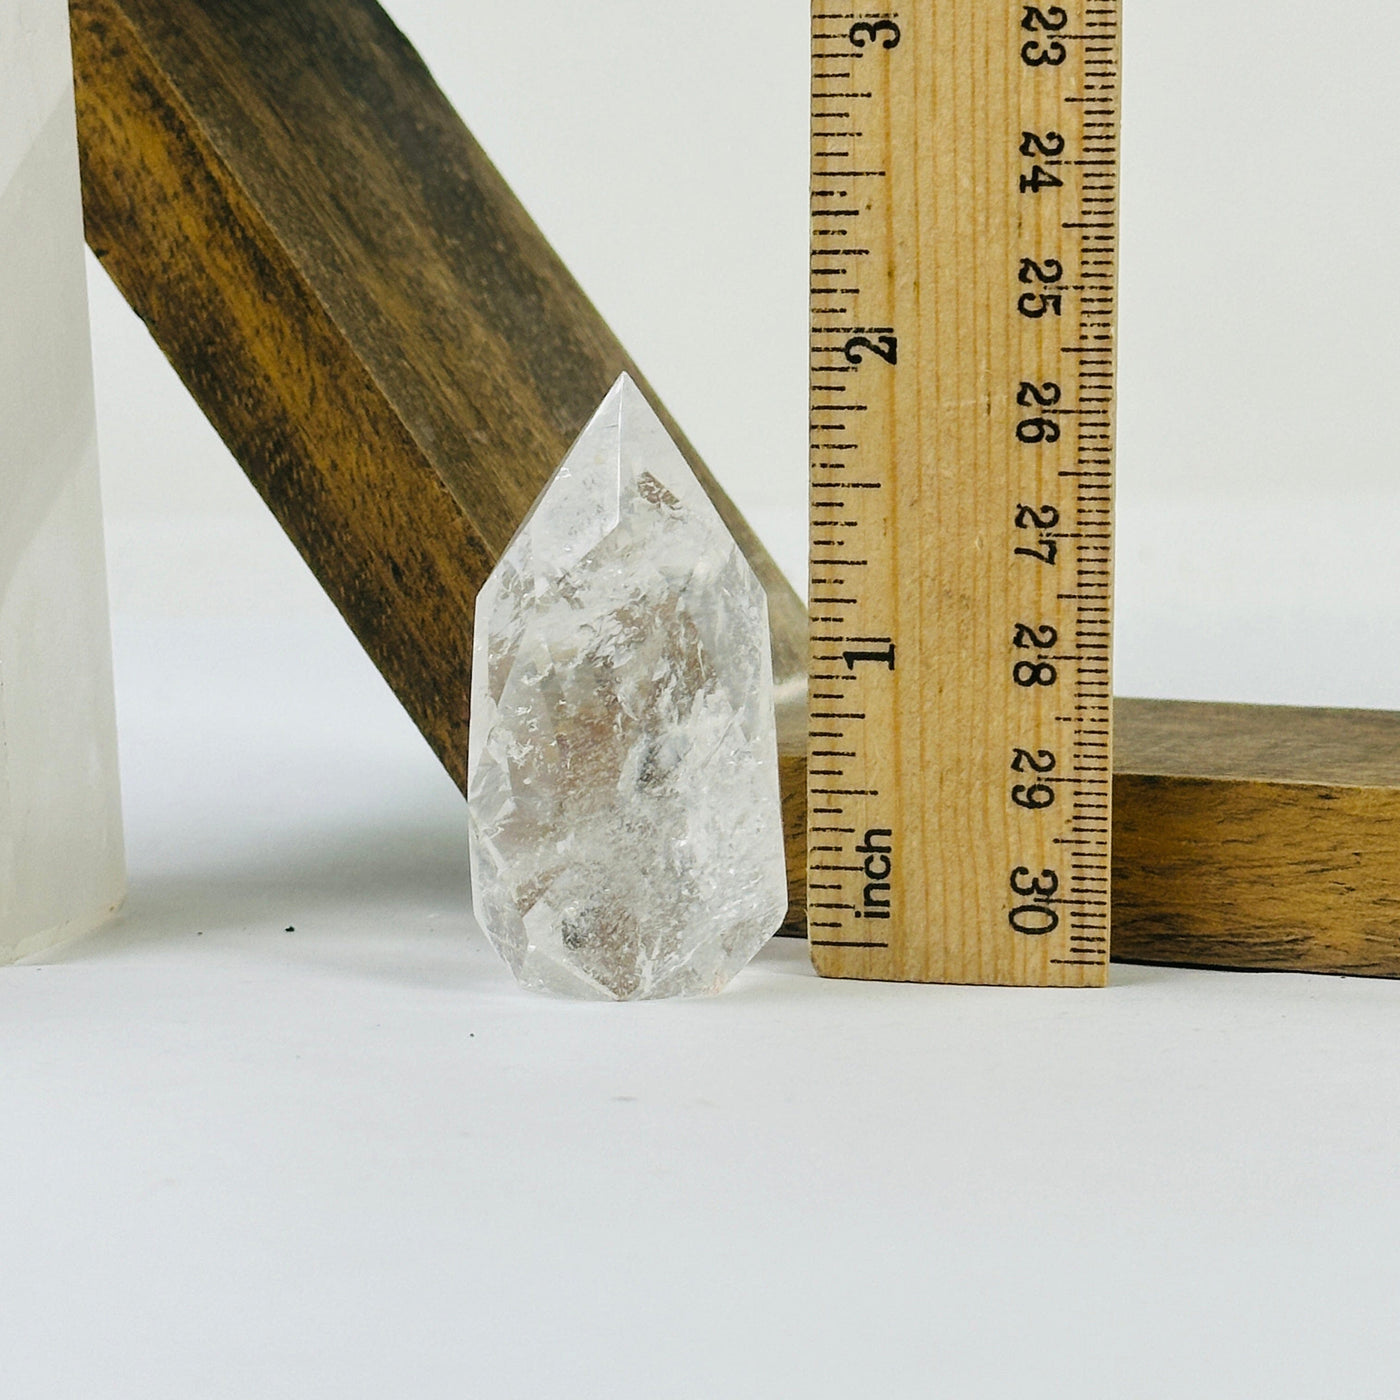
[(963, 300)]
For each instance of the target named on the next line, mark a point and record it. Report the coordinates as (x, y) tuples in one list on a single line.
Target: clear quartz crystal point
[(61, 867), (626, 827)]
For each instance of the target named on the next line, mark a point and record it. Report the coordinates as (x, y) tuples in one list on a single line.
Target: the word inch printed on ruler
[(964, 247)]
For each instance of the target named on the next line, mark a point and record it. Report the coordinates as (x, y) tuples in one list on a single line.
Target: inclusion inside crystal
[(626, 827)]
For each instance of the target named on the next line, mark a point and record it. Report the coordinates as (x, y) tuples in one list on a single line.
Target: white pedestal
[(61, 865)]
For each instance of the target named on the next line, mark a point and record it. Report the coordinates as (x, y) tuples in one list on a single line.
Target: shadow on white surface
[(357, 1161)]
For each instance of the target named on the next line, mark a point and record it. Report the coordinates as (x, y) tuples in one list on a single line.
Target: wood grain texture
[(963, 303), (1253, 836), (361, 307), (398, 360)]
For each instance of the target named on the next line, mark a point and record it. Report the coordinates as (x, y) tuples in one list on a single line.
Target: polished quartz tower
[(61, 868), (626, 829)]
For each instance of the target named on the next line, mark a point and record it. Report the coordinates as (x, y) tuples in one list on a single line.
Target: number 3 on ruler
[(864, 32)]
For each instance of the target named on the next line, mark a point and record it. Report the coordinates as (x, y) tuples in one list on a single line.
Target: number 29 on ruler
[(963, 307)]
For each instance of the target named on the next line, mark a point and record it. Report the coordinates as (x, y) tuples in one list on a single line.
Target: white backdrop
[(663, 151), (288, 1128)]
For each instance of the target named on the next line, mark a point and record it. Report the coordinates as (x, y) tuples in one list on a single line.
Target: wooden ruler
[(964, 236)]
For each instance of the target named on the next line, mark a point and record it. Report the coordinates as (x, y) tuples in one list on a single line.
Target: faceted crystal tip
[(625, 820)]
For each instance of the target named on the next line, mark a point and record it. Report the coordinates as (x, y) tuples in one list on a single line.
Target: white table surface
[(354, 1160)]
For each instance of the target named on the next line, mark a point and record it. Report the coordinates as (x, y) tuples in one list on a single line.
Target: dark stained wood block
[(1256, 836), (359, 304), (398, 360)]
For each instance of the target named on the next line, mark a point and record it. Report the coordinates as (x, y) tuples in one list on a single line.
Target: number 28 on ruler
[(964, 245)]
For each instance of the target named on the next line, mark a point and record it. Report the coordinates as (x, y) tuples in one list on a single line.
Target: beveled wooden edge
[(1257, 743)]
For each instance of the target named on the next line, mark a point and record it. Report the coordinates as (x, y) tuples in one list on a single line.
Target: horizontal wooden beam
[(398, 360), (1257, 836)]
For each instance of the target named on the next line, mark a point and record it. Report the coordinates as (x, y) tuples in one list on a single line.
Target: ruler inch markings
[(964, 184)]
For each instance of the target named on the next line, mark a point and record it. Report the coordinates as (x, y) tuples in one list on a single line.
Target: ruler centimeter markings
[(963, 310)]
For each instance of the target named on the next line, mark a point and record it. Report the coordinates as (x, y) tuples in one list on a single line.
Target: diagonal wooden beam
[(398, 360), (364, 311)]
